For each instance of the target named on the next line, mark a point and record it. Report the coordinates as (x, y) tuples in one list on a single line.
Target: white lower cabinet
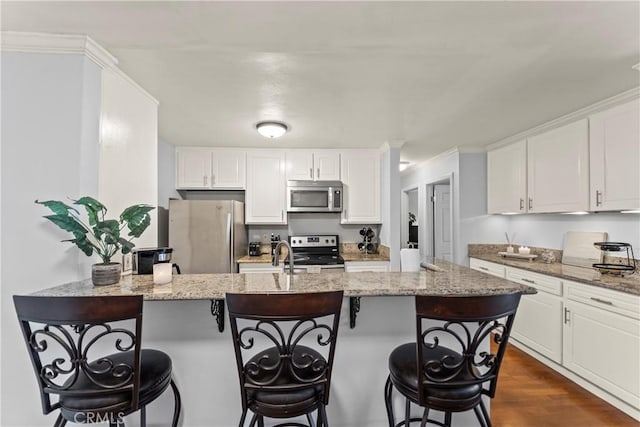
[(360, 266), (538, 322), (601, 345), (586, 331)]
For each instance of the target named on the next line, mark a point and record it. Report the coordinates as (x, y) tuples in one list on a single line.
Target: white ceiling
[(357, 74)]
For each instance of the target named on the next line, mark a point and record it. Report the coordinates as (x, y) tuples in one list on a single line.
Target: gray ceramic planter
[(105, 274)]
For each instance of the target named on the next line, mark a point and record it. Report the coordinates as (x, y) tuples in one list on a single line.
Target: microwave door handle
[(330, 199), (230, 242)]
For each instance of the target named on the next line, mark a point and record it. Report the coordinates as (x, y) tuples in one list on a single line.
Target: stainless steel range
[(316, 253)]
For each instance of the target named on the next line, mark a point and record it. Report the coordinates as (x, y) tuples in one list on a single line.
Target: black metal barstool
[(451, 378), (84, 350), (284, 345)]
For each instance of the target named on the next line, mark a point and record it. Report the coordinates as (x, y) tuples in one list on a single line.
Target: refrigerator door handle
[(230, 240)]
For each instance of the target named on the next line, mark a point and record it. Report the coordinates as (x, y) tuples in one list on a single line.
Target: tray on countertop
[(530, 257)]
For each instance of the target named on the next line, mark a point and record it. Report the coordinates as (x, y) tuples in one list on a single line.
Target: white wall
[(50, 117), (128, 150)]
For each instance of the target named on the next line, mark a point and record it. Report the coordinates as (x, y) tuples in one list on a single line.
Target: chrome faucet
[(276, 255)]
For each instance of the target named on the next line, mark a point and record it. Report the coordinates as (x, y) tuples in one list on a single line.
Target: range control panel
[(318, 241)]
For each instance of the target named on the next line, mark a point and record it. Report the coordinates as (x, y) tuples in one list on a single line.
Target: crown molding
[(636, 67), (582, 113), (396, 144), (13, 41)]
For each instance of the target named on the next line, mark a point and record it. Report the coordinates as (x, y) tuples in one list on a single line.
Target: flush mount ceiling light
[(271, 129)]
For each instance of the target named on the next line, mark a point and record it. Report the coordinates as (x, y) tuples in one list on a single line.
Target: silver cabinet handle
[(521, 204), (530, 203), (282, 215), (206, 180), (213, 179), (598, 198), (528, 280), (601, 301), (483, 268), (311, 173), (318, 176), (567, 315)]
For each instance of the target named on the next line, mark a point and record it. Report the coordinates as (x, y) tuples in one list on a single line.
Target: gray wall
[(50, 118)]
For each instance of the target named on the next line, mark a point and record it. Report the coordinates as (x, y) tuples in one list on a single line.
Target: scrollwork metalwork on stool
[(217, 311), (354, 308)]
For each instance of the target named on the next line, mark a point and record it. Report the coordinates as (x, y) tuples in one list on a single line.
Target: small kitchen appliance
[(314, 196), (316, 253), (145, 258), (620, 269), (254, 249)]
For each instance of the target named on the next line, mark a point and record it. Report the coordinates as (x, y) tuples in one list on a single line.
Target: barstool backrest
[(295, 335), (68, 337), (467, 324)]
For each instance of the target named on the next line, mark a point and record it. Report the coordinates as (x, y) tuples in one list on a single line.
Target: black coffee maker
[(144, 258)]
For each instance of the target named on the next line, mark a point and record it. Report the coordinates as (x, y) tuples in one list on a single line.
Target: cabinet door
[(228, 170), (300, 165), (604, 348), (558, 169), (507, 178), (360, 171), (327, 165), (614, 153), (266, 187), (538, 324), (193, 168)]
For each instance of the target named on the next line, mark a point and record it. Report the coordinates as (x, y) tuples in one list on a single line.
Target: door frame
[(427, 232)]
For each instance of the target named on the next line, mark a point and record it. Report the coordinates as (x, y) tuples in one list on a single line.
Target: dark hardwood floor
[(531, 394)]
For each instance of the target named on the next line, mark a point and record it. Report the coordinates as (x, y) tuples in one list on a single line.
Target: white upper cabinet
[(228, 168), (193, 168), (210, 168), (360, 172), (313, 165), (558, 169), (507, 178), (265, 197), (614, 154)]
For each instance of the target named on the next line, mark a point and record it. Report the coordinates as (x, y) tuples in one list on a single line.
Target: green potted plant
[(100, 235)]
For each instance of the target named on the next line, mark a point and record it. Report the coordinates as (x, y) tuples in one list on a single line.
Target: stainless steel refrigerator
[(207, 236)]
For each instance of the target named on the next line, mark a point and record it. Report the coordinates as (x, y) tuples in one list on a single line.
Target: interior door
[(442, 221)]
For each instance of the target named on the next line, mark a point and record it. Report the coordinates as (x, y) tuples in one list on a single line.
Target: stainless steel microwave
[(314, 196)]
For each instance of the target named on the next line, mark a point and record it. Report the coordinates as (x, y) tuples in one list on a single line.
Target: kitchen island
[(177, 320)]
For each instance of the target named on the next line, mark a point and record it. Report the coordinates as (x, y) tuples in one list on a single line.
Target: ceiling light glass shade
[(271, 129)]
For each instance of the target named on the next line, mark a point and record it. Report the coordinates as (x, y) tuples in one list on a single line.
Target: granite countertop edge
[(629, 284), (453, 280)]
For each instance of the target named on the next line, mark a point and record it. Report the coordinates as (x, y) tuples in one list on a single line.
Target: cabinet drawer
[(541, 282), (260, 268), (487, 267), (605, 299), (359, 266)]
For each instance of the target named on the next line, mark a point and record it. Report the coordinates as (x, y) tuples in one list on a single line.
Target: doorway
[(439, 224), (409, 228)]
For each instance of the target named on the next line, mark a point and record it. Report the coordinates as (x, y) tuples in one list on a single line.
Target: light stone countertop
[(453, 280), (628, 284)]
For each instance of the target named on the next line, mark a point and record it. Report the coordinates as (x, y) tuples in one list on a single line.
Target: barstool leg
[(447, 419), (407, 413), (486, 415), (60, 421), (310, 420), (177, 406), (260, 421), (325, 420), (143, 416), (242, 418), (253, 420), (479, 416), (425, 418), (388, 388)]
